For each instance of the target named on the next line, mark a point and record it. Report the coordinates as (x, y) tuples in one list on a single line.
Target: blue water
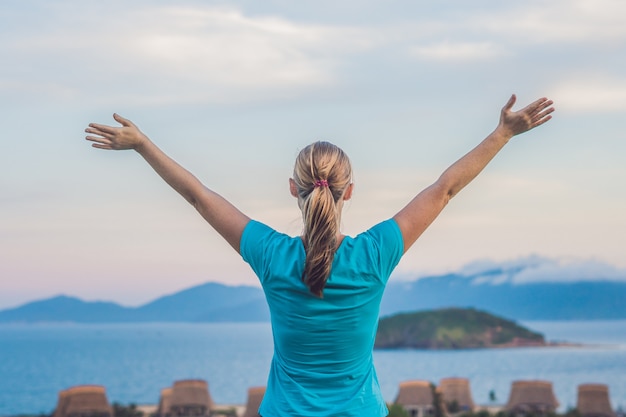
[(135, 361)]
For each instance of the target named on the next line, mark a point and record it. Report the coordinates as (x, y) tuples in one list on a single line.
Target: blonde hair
[(322, 174)]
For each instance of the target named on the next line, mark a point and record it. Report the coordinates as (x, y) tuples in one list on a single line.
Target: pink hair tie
[(321, 183)]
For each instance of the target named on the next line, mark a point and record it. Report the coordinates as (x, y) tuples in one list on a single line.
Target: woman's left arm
[(416, 216), (224, 217)]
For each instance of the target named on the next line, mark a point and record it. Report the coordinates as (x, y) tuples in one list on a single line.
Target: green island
[(452, 328)]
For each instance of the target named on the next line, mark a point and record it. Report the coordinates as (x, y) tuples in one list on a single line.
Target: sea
[(135, 361)]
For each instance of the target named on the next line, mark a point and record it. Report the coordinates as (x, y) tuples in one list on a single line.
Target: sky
[(234, 89)]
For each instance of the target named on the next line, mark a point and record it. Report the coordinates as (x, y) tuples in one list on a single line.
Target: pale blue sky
[(233, 89)]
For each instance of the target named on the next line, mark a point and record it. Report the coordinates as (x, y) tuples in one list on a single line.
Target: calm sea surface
[(135, 361)]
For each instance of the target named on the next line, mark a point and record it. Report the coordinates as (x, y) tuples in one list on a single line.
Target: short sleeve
[(252, 247), (388, 237)]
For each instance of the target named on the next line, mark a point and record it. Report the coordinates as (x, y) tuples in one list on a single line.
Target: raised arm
[(415, 218), (222, 215)]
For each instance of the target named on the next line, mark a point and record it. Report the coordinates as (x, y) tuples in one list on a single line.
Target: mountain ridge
[(511, 290)]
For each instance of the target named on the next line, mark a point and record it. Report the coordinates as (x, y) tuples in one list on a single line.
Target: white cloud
[(580, 21), (457, 51), (479, 34), (224, 46), (591, 93), (537, 269), (534, 29), (198, 53), (155, 54), (570, 271)]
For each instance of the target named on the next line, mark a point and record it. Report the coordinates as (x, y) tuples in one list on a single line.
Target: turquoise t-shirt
[(323, 364)]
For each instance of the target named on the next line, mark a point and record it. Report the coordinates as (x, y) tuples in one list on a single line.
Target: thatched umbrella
[(593, 401), (165, 401), (416, 397), (59, 411), (532, 396), (255, 396), (457, 390), (191, 397), (84, 401)]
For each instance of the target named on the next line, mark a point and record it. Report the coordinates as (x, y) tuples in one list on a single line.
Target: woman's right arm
[(225, 218), (415, 218)]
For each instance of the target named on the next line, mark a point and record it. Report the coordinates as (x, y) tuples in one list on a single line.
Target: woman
[(323, 288)]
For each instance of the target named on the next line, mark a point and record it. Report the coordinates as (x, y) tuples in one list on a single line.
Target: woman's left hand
[(531, 116)]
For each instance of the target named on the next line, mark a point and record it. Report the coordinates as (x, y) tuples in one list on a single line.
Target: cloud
[(561, 21), (457, 51), (194, 53), (591, 93), (537, 269), (224, 46), (544, 32), (570, 271), (185, 54), (505, 30)]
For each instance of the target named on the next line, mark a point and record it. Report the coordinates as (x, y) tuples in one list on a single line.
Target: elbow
[(446, 190), (450, 184), (194, 202), (451, 192), (191, 200)]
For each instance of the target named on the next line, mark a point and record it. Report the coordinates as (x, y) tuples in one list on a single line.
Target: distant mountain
[(452, 328), (206, 302), (530, 289), (63, 308), (549, 301), (527, 291)]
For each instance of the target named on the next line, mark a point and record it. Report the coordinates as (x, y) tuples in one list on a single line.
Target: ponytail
[(322, 174)]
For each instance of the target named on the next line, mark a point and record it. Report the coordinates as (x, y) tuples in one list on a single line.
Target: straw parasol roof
[(191, 397), (83, 401), (593, 401), (532, 396), (165, 401), (457, 389), (414, 393), (59, 411), (255, 396)]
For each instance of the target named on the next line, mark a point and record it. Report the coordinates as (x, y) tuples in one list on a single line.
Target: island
[(452, 328)]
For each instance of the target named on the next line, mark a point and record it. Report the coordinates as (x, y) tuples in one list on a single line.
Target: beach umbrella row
[(189, 397), (526, 397)]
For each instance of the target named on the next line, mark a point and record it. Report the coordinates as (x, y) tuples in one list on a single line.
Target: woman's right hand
[(128, 136)]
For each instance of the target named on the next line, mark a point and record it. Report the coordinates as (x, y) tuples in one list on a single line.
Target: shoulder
[(256, 233), (267, 250), (259, 238), (382, 245), (385, 232), (255, 228)]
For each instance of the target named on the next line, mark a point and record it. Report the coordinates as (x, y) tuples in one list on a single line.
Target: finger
[(541, 114), (542, 117), (96, 132), (509, 104), (545, 112), (542, 121), (103, 128), (538, 105), (99, 146), (121, 120), (98, 139), (546, 106), (543, 105)]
